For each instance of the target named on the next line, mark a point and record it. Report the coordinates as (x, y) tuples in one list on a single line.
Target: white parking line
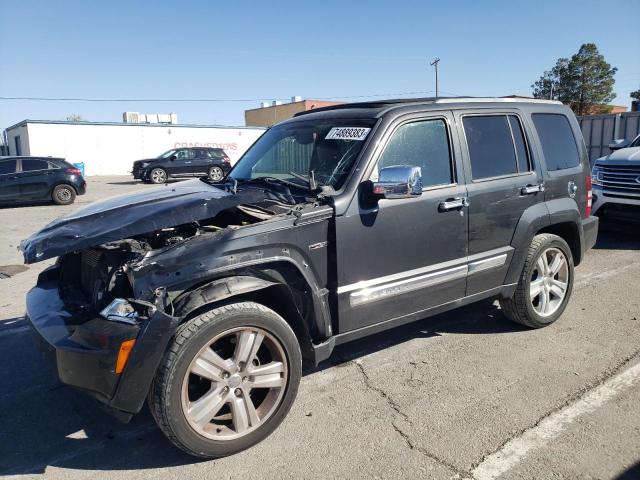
[(549, 428)]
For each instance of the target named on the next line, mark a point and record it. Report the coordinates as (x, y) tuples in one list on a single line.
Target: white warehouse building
[(110, 148)]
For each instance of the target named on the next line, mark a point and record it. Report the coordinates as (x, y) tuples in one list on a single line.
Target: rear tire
[(216, 174), (227, 381), (545, 284), (63, 195)]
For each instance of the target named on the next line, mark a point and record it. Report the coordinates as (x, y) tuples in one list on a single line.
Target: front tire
[(158, 176), (545, 285), (227, 381), (63, 195)]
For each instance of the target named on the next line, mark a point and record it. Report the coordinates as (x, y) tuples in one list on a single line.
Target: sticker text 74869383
[(347, 133)]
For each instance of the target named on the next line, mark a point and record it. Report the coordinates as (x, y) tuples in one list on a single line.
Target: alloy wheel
[(234, 383), (63, 195), (216, 174), (158, 176), (549, 282)]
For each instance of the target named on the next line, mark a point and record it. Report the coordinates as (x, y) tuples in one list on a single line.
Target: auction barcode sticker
[(347, 133)]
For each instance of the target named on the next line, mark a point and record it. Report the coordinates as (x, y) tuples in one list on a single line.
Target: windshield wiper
[(310, 180)]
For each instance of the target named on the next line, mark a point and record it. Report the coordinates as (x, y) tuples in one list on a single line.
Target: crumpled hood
[(629, 153), (125, 216)]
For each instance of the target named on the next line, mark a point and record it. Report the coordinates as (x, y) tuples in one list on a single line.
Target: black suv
[(183, 162), (39, 179), (339, 223)]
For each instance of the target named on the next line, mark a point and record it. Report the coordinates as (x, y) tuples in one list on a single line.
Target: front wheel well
[(277, 297), (568, 231), (66, 184)]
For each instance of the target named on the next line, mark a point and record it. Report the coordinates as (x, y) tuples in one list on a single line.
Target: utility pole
[(435, 64)]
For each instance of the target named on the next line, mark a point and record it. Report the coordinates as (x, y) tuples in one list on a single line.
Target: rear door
[(201, 162), (35, 179), (502, 181), (9, 183)]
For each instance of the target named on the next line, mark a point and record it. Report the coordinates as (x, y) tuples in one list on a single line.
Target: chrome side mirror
[(619, 143), (398, 181)]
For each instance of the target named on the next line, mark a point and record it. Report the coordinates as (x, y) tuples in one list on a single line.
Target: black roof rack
[(381, 104), (372, 104)]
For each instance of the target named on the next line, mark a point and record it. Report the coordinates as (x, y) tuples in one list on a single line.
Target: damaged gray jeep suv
[(204, 298)]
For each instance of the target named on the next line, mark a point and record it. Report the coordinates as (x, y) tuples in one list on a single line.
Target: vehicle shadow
[(482, 318), (46, 424), (617, 237), (632, 473)]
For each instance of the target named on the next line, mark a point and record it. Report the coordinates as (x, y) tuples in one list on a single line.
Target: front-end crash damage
[(133, 261)]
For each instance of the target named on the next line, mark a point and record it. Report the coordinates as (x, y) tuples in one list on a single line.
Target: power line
[(220, 100)]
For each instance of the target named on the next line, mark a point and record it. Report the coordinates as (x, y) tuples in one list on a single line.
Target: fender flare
[(535, 218), (228, 287)]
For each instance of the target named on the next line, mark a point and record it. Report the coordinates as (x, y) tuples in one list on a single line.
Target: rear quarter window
[(30, 165), (558, 143)]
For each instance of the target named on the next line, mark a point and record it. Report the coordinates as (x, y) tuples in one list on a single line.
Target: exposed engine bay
[(100, 272)]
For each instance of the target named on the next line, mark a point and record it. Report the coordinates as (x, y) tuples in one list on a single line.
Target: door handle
[(531, 189), (453, 204)]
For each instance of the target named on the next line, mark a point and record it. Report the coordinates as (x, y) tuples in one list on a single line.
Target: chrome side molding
[(391, 285), (380, 292)]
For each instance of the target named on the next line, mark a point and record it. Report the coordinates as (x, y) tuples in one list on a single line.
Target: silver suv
[(616, 182)]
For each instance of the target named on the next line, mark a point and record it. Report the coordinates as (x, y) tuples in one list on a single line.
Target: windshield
[(167, 154), (326, 149), (636, 142)]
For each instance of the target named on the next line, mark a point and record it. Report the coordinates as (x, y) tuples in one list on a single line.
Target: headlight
[(120, 310), (596, 176), (144, 164)]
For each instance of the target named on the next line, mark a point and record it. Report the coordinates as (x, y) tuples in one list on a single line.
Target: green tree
[(635, 95), (584, 82)]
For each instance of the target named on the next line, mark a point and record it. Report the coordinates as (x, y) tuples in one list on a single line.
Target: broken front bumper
[(83, 346)]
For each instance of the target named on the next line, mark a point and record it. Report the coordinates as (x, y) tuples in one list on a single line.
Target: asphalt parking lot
[(466, 394)]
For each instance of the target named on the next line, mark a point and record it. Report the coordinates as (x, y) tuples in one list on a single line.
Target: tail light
[(226, 159), (587, 211), (74, 171)]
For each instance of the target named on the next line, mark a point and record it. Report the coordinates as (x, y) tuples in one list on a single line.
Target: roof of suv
[(34, 157), (379, 107)]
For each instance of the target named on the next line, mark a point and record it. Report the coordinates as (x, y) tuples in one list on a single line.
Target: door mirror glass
[(619, 143), (398, 181), (172, 157)]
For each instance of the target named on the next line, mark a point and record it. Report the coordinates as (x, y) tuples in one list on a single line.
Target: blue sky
[(267, 50)]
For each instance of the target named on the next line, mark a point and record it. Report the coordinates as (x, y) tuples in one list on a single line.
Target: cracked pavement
[(433, 399)]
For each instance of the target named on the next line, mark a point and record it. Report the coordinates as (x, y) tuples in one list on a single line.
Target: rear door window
[(497, 146), (558, 143), (30, 165), (201, 153), (7, 166)]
